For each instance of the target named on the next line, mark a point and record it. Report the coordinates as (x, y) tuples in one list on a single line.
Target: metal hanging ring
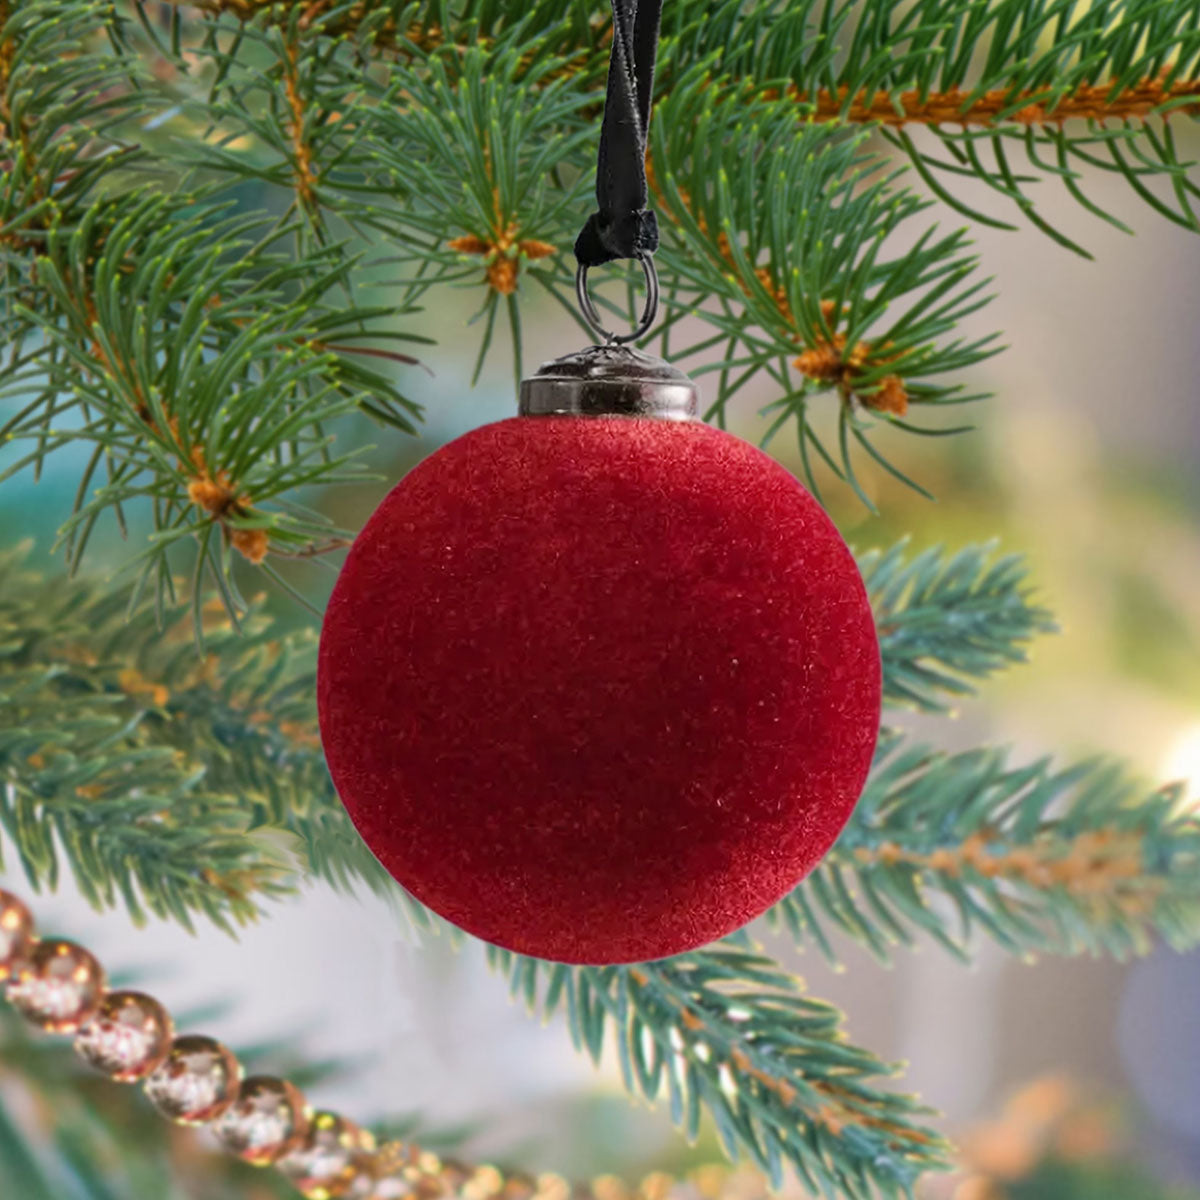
[(649, 312)]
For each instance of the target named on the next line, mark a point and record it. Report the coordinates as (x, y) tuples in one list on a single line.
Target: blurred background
[(1061, 1079)]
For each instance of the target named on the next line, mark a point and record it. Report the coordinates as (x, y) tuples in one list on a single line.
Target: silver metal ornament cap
[(610, 381)]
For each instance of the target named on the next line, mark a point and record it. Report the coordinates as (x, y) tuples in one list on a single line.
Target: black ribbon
[(623, 227)]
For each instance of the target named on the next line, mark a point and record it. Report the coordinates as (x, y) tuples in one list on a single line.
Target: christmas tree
[(220, 224)]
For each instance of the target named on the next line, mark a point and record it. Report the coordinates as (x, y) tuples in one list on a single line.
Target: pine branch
[(491, 145), (204, 381), (233, 803), (232, 799), (1070, 87), (228, 762), (1068, 860), (405, 28), (726, 1032), (947, 621), (54, 85), (779, 241), (277, 111), (201, 380), (194, 353), (200, 356), (487, 141)]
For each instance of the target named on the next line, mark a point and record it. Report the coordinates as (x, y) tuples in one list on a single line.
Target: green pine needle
[(1071, 860), (725, 1032)]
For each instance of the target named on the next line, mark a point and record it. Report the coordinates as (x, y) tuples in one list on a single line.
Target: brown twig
[(212, 492), (374, 352), (306, 179), (955, 106), (502, 252), (1095, 865), (501, 247)]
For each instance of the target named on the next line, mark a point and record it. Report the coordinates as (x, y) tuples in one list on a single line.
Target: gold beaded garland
[(196, 1082), (518, 1187), (128, 1037), (57, 985), (454, 1176)]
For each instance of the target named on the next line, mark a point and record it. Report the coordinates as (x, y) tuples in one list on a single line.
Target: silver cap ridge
[(609, 381)]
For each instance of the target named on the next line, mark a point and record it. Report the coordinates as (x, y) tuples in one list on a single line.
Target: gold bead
[(394, 1172), (326, 1162), (610, 1187), (454, 1177), (428, 1163), (396, 1157), (485, 1183), (518, 1186), (128, 1037), (393, 1187), (656, 1186), (265, 1122), (57, 985), (552, 1187), (16, 934), (382, 1175), (196, 1082)]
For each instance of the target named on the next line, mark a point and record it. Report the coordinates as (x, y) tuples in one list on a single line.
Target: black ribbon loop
[(622, 226)]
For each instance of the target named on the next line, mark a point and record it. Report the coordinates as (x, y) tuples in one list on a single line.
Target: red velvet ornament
[(599, 689)]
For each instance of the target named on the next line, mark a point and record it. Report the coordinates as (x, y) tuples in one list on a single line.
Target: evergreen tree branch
[(405, 28), (948, 621), (1064, 861), (491, 145), (193, 352), (200, 356), (202, 382), (1069, 87), (234, 800), (233, 803), (727, 1032), (489, 139), (65, 107), (959, 107), (787, 232)]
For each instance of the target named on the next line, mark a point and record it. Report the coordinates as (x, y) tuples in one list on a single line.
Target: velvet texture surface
[(599, 689)]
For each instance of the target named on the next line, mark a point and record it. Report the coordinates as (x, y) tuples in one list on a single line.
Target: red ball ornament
[(599, 688)]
